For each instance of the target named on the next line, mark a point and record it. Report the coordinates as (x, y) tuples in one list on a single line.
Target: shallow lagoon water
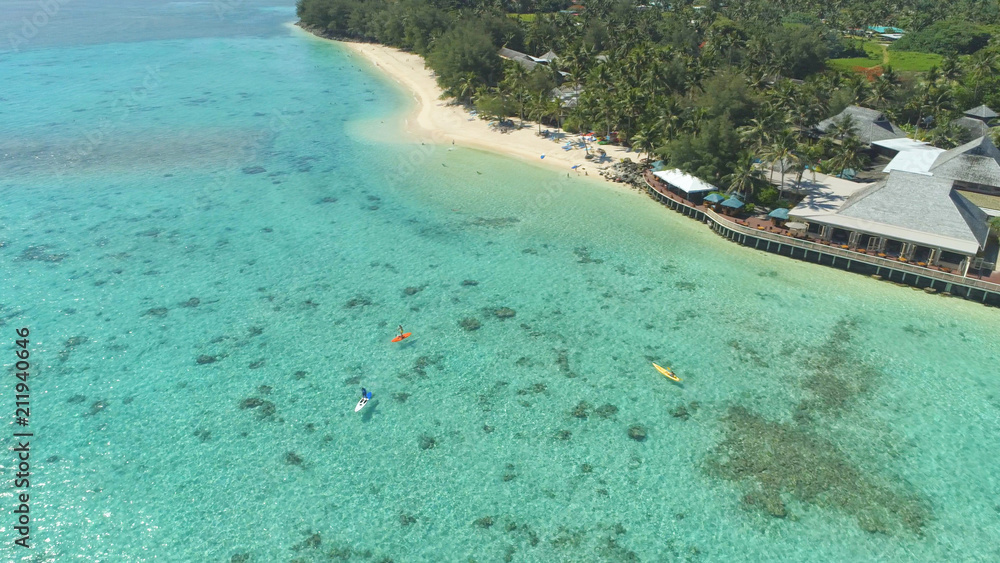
[(212, 280)]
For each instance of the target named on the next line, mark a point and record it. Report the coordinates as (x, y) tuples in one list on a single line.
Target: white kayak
[(365, 396), (361, 404)]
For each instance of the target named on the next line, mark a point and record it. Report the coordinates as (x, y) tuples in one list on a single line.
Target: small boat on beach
[(666, 372)]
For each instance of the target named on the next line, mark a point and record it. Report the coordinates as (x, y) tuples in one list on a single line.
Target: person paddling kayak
[(365, 396), (402, 334)]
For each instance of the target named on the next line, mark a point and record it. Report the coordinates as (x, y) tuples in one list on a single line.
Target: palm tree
[(843, 127), (782, 151), (515, 82), (981, 66), (881, 93), (745, 176), (755, 134), (642, 142), (810, 155), (948, 135), (466, 86), (950, 69), (538, 109), (848, 154)]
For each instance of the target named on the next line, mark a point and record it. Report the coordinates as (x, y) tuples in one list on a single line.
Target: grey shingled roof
[(569, 94), (869, 125), (517, 56), (549, 56), (919, 203), (976, 127), (975, 162), (982, 112)]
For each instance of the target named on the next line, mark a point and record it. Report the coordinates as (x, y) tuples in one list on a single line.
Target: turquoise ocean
[(212, 229)]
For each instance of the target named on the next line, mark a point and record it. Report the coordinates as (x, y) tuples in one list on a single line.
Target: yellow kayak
[(666, 371)]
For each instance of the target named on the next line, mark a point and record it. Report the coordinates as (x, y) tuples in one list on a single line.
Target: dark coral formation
[(680, 412), (484, 522), (562, 362), (469, 283), (606, 411), (637, 433), (534, 389), (583, 256), (193, 302), (786, 459), (75, 341), (426, 442), (838, 378), (206, 359), (505, 313), (470, 324), (358, 301), (266, 409), (156, 312), (40, 253), (292, 458), (494, 222), (581, 410)]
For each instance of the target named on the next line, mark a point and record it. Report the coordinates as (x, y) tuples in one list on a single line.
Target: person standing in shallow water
[(401, 330)]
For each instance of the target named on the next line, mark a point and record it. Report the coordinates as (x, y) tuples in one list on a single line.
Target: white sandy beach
[(436, 121)]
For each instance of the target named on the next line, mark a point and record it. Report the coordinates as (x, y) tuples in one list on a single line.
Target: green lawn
[(911, 61), (901, 61), (851, 64)]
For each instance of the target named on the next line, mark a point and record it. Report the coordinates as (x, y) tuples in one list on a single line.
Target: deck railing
[(730, 224)]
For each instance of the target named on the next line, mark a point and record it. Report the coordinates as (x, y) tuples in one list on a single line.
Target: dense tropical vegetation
[(711, 89)]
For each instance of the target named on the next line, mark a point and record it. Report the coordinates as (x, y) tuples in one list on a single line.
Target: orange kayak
[(666, 372), (402, 336)]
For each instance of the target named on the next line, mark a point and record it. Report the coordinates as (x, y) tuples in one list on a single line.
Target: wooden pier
[(932, 281)]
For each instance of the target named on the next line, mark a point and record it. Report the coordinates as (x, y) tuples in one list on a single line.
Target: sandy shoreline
[(435, 121)]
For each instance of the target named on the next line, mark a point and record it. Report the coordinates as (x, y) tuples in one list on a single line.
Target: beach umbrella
[(543, 156), (714, 198), (733, 202), (779, 213)]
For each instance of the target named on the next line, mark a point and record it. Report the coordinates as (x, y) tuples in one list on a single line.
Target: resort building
[(977, 121), (922, 212), (685, 185), (569, 94), (527, 61), (908, 155), (869, 125)]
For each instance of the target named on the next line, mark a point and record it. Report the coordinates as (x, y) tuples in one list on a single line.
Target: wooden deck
[(762, 235)]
